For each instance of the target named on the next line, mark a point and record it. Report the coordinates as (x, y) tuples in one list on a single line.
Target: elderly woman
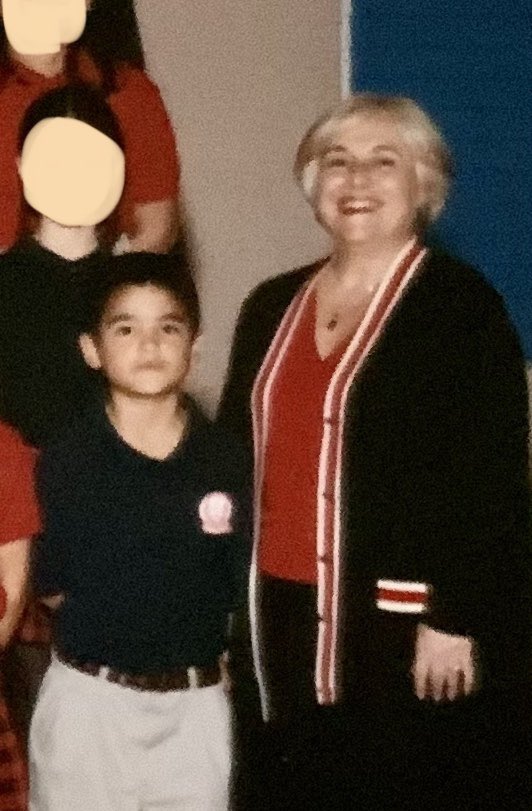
[(383, 393)]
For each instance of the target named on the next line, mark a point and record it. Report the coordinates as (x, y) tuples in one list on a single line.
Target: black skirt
[(380, 747)]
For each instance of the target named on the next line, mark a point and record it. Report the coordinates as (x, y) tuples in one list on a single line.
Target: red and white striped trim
[(402, 596), (328, 533), (260, 408)]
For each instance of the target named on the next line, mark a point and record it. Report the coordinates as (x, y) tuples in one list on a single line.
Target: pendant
[(333, 323)]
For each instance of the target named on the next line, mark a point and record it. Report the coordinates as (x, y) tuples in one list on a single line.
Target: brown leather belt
[(183, 678)]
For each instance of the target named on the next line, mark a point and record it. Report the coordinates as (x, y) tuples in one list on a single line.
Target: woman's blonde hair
[(433, 159)]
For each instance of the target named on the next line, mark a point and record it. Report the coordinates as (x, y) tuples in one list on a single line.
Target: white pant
[(97, 746)]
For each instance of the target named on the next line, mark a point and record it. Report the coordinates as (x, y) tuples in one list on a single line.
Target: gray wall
[(242, 80)]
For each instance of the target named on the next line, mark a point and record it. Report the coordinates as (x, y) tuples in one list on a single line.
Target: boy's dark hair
[(81, 101), (111, 37), (170, 272)]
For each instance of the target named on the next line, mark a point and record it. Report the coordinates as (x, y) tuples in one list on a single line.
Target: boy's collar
[(196, 421)]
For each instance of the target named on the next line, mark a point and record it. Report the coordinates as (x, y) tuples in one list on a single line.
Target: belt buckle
[(193, 677)]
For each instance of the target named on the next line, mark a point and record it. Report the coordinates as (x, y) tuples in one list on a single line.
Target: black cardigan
[(435, 469)]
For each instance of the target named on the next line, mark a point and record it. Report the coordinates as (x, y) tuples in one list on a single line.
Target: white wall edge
[(345, 47)]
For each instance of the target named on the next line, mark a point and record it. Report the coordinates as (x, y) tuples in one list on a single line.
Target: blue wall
[(469, 64)]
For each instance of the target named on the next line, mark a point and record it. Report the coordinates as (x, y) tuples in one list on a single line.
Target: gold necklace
[(334, 319)]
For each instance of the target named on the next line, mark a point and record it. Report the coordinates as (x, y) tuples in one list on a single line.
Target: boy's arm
[(48, 553), (14, 567), (48, 568)]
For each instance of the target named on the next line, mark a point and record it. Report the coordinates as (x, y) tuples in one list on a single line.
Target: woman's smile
[(348, 206)]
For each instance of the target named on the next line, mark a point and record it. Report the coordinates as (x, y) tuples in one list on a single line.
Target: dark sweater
[(43, 379), (148, 584), (435, 465)]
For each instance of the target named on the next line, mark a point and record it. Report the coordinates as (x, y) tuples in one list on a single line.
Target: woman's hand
[(443, 665)]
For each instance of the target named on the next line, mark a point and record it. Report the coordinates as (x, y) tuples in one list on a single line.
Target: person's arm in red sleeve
[(19, 521), (14, 567), (150, 200), (157, 226)]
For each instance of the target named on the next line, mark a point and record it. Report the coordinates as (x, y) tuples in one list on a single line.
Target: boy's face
[(144, 342)]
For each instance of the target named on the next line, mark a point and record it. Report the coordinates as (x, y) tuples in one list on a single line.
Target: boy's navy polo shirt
[(151, 555)]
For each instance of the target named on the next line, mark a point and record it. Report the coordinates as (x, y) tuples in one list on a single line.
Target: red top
[(295, 428), (19, 514), (152, 169), (19, 518)]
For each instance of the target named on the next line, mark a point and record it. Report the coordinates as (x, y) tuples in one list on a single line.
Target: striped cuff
[(402, 596)]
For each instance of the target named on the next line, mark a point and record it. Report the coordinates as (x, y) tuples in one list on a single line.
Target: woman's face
[(367, 191)]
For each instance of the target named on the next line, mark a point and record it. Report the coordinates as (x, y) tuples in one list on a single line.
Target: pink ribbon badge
[(216, 512)]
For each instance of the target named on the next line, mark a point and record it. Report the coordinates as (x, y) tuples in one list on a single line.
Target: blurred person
[(71, 162), (19, 522), (108, 53)]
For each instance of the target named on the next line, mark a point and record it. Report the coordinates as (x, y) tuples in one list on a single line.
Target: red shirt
[(19, 518), (19, 513), (152, 169), (288, 516)]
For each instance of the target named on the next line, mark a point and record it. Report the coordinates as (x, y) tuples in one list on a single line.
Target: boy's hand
[(443, 665)]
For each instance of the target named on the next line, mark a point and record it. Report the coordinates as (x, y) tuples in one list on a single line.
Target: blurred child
[(108, 54), (18, 522), (43, 379)]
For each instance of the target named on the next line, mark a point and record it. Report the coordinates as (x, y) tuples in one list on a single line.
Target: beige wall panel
[(242, 79)]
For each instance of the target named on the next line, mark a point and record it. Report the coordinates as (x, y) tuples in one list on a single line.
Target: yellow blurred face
[(144, 343), (38, 27), (71, 173), (367, 189)]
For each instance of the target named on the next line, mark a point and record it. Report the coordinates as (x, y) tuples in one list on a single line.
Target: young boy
[(143, 556), (19, 521)]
